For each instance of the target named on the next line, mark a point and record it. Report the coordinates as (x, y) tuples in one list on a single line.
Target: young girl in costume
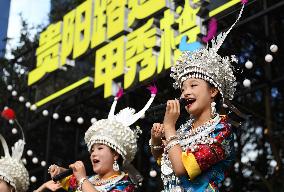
[(112, 146), (196, 156)]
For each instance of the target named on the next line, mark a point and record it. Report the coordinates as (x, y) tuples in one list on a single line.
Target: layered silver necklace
[(104, 185), (189, 139)]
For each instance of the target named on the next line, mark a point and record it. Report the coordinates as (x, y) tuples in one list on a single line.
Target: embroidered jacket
[(123, 185), (206, 156)]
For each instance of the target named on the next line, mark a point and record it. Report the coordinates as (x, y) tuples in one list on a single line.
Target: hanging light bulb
[(67, 119), (268, 58), (14, 131), (55, 116), (273, 48), (248, 64), (33, 179), (153, 173), (246, 83), (28, 104), (80, 120), (10, 87), (11, 121), (35, 160), (43, 163), (14, 93), (21, 99), (29, 152), (45, 112)]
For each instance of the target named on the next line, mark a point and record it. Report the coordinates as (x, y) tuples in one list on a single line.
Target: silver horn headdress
[(115, 131), (208, 65), (12, 169)]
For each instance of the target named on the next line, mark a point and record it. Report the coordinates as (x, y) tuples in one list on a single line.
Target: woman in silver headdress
[(196, 156), (112, 146)]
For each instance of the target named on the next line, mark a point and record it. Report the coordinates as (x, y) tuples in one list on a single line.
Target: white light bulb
[(33, 179), (6, 107), (21, 99), (44, 112), (33, 107), (10, 87), (268, 58), (273, 48), (43, 163), (11, 121), (248, 64), (14, 131), (14, 93), (55, 116), (28, 104), (80, 120), (93, 120), (35, 160), (246, 83), (29, 152), (67, 119), (153, 173)]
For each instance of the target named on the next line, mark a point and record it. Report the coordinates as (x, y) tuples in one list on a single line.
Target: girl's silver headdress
[(12, 169), (208, 65), (115, 131)]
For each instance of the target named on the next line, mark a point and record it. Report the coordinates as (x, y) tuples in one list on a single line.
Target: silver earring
[(115, 166), (213, 109)]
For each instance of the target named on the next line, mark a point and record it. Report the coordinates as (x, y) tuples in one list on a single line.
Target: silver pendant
[(166, 170)]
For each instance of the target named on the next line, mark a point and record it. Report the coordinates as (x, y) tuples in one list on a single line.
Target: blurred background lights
[(29, 152), (268, 58), (67, 119), (35, 160), (246, 83), (248, 64), (33, 179), (274, 48), (153, 173), (14, 131)]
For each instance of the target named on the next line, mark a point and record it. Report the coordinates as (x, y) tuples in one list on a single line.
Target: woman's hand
[(172, 113), (157, 132), (79, 170), (51, 185)]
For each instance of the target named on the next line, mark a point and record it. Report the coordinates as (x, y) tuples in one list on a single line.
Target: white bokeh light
[(35, 160), (14, 131), (273, 48), (80, 120), (33, 179), (268, 58), (67, 119), (45, 112), (29, 152), (55, 116)]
